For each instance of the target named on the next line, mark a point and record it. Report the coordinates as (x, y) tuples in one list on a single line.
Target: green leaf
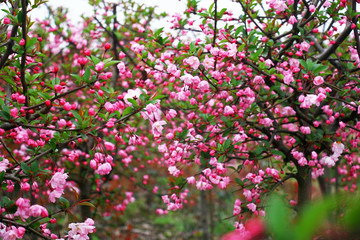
[(238, 181), (87, 74), (157, 32), (278, 219), (184, 133), (127, 111), (192, 46), (77, 116), (64, 203), (31, 42), (226, 144), (312, 217), (133, 102), (86, 204), (159, 97), (95, 60), (111, 63), (2, 176), (20, 16), (221, 13)]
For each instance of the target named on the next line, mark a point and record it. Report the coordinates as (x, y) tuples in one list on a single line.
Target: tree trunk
[(204, 216), (85, 188), (304, 180)]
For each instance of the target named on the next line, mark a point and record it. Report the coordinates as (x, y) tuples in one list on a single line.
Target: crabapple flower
[(80, 231), (157, 128), (228, 111), (6, 20), (61, 123), (204, 86), (337, 148), (327, 161), (251, 206), (104, 169), (14, 112), (109, 107), (99, 67), (258, 80), (292, 20), (37, 210), (193, 62), (22, 42), (277, 5), (318, 80), (170, 114), (305, 130), (304, 46), (57, 183), (174, 171), (288, 77), (67, 106), (4, 164), (232, 49), (23, 206), (308, 101), (208, 62), (132, 94)]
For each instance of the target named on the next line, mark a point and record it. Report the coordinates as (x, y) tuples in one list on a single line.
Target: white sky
[(78, 7)]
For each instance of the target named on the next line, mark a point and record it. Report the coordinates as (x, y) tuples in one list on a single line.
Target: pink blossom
[(61, 123), (312, 8), (171, 114), (304, 46), (4, 164), (309, 100), (204, 86), (6, 20), (58, 183), (327, 161), (191, 180), (193, 62), (132, 94), (228, 111), (288, 77), (208, 62), (187, 78), (251, 206), (22, 42), (109, 107), (58, 88), (292, 20), (174, 171), (232, 49), (99, 67), (318, 80), (58, 180), (104, 169), (305, 130), (157, 128), (14, 112), (337, 149), (278, 5), (67, 106), (258, 80), (23, 206), (37, 210), (80, 231)]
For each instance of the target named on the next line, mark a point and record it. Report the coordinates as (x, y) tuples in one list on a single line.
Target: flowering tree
[(263, 98)]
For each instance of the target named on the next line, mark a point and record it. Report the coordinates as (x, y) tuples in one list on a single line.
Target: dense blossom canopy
[(250, 101)]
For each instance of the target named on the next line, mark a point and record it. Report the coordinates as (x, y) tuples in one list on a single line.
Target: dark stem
[(23, 57)]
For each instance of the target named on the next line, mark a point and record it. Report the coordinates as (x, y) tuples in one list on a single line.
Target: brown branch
[(23, 57), (332, 48)]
